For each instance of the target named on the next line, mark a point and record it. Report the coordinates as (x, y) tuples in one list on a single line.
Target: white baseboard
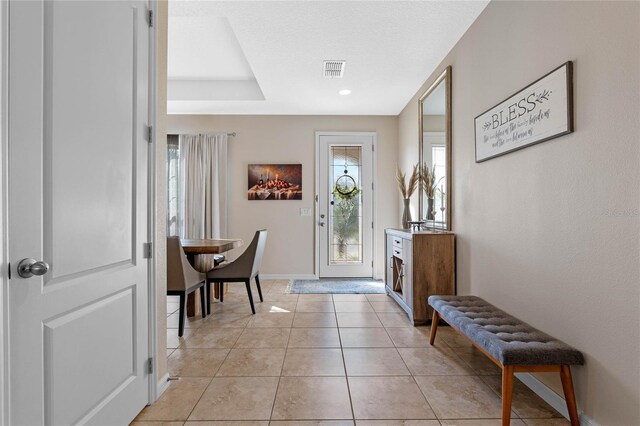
[(162, 385), (552, 398), (288, 276)]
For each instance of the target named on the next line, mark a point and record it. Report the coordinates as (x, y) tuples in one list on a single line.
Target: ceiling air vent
[(333, 69)]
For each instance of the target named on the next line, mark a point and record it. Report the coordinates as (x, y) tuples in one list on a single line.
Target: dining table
[(195, 247)]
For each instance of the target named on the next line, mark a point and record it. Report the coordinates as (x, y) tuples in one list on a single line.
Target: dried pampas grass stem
[(408, 188), (428, 178)]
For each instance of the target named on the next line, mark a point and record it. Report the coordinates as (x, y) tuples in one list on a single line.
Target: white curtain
[(202, 204)]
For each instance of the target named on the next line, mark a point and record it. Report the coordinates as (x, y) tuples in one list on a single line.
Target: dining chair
[(182, 279), (219, 261), (243, 269)]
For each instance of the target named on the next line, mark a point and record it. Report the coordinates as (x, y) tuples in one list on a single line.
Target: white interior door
[(345, 204), (78, 106)]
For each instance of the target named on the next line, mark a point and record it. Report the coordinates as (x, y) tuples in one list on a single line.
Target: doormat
[(337, 285)]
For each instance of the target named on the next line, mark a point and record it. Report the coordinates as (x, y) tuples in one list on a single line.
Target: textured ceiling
[(265, 57)]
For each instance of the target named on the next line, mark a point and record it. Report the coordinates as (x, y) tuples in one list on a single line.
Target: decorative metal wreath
[(346, 187)]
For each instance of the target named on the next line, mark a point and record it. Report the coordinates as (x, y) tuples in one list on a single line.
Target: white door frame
[(154, 383), (316, 215), (4, 258)]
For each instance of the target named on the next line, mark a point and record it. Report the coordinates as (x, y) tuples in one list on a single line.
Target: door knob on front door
[(30, 267), (321, 223)]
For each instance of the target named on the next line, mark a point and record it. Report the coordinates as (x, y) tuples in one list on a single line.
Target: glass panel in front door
[(345, 205)]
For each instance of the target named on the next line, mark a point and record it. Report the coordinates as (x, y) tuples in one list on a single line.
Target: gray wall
[(551, 233), (291, 139)]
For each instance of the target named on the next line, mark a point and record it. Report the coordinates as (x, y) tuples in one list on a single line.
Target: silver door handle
[(321, 223), (30, 267)]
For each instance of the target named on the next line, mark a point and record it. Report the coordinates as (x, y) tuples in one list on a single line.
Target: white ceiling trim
[(390, 48), (214, 90)]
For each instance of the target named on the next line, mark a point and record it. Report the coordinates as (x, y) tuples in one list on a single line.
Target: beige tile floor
[(327, 360)]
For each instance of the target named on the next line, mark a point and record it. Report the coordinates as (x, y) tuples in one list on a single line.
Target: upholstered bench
[(510, 343)]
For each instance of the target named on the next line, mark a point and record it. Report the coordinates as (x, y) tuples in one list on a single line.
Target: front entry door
[(78, 106), (345, 204)]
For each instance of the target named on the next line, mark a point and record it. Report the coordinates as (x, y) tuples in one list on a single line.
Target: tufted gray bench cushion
[(506, 338), (514, 346)]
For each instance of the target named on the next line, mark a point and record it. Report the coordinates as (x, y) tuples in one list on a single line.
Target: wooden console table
[(419, 264)]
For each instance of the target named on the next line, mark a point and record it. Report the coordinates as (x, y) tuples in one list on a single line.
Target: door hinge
[(150, 18), (148, 134), (147, 250), (371, 225), (372, 186), (373, 147), (150, 365)]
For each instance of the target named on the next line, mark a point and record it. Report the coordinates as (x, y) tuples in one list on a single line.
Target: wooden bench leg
[(434, 326), (507, 390), (569, 395)]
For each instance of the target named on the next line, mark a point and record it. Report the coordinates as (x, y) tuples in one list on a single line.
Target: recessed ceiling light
[(345, 92)]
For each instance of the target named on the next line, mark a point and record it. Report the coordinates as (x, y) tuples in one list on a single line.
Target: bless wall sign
[(539, 112)]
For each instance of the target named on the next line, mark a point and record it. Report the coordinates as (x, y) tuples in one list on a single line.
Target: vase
[(406, 213), (430, 210)]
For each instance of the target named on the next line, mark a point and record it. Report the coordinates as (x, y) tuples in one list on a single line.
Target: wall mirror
[(434, 124)]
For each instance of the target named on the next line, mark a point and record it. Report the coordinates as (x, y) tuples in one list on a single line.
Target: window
[(173, 188)]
